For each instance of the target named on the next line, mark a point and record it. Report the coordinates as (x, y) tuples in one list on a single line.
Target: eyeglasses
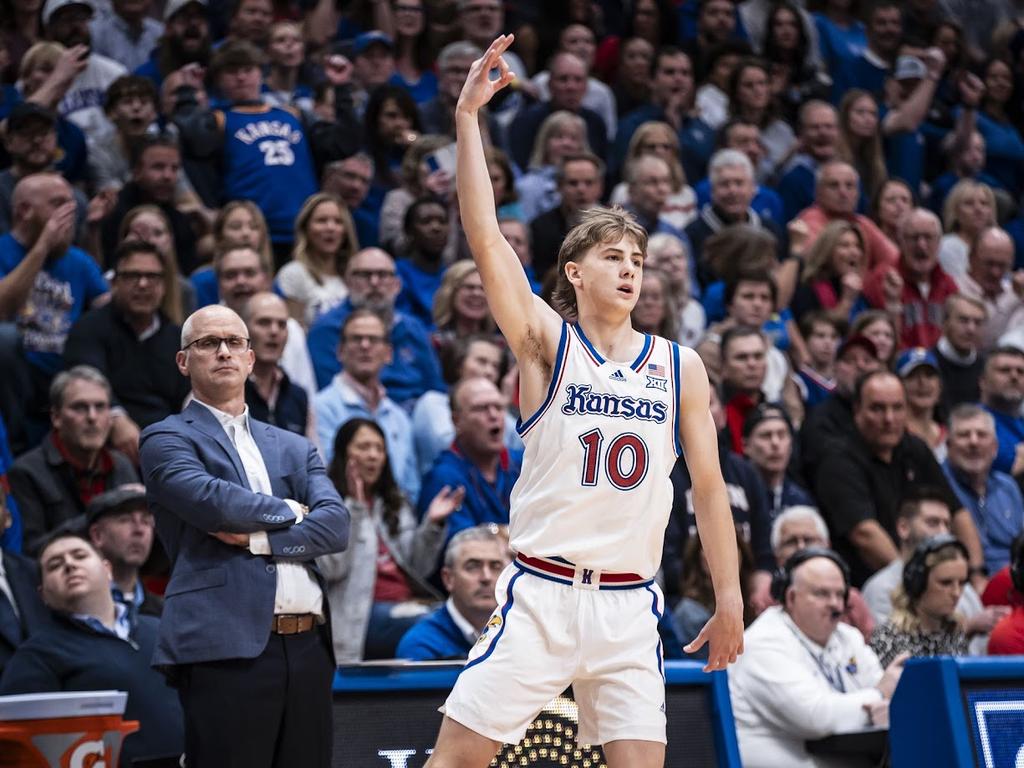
[(130, 276), (369, 274), (208, 345), (408, 9)]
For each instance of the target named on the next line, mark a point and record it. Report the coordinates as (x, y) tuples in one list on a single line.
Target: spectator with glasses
[(373, 283), (55, 481), (356, 391), (131, 339)]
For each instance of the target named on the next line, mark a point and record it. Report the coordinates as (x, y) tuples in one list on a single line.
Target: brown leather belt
[(293, 623)]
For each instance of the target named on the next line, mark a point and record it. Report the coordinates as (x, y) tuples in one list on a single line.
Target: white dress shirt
[(782, 696), (297, 590)]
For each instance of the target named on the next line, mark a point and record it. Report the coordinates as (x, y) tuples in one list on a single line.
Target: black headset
[(782, 579), (915, 572), (1017, 563)]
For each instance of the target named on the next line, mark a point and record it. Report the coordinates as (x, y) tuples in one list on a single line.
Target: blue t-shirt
[(1009, 432), (904, 154), (421, 91), (1004, 151), (267, 159), (942, 186), (484, 502), (61, 292), (412, 371), (435, 637), (864, 71), (418, 289), (204, 283), (839, 44)]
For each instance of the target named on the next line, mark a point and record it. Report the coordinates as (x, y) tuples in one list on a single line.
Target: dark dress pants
[(273, 711)]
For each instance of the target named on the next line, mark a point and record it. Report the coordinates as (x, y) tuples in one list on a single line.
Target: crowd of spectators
[(833, 190)]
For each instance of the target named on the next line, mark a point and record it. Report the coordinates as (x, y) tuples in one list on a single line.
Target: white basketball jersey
[(595, 486)]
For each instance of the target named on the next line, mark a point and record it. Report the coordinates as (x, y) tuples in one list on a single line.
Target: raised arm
[(724, 632), (522, 317)]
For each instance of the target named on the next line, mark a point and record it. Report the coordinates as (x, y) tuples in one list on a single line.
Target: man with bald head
[(477, 460), (863, 479), (242, 508), (990, 279), (45, 286), (836, 196), (373, 283), (805, 674), (269, 392), (567, 85), (916, 289)]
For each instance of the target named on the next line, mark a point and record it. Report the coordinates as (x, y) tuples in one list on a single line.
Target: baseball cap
[(367, 39), (909, 68), (26, 112), (112, 501), (859, 340), (52, 6), (173, 6), (765, 412), (913, 359)]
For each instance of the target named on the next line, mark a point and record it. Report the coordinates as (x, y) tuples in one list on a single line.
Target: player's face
[(471, 579), (609, 275)]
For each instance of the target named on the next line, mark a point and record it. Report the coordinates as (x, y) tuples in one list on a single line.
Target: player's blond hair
[(597, 226)]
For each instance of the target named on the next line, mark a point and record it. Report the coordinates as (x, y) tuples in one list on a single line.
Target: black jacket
[(132, 195), (143, 374), (44, 485), (33, 617)]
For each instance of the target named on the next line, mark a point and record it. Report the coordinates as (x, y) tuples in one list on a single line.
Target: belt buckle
[(586, 578)]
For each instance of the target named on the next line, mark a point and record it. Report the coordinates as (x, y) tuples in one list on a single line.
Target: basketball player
[(606, 412)]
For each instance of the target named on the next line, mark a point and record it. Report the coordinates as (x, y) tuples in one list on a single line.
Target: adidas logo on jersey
[(618, 375)]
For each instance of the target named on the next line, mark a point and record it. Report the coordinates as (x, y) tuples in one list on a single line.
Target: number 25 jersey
[(595, 486)]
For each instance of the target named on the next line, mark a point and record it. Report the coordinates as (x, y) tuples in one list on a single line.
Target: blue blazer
[(219, 602)]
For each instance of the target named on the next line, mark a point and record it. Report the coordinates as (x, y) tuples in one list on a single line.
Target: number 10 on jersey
[(625, 461)]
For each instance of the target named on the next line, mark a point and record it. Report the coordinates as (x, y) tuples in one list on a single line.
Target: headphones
[(782, 579), (915, 572), (1017, 563)]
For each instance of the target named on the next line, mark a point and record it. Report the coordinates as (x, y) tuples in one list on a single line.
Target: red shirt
[(921, 321), (391, 585), (1007, 638), (1000, 591)]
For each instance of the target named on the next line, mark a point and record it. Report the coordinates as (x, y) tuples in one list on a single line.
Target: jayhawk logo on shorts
[(493, 623)]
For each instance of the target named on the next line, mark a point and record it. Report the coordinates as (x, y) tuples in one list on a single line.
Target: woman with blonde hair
[(149, 224), (239, 223), (657, 138), (561, 134), (833, 274), (924, 621), (460, 306), (325, 239), (861, 144), (969, 209)]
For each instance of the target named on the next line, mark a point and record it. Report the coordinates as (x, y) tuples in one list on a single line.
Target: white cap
[(173, 6), (52, 6)]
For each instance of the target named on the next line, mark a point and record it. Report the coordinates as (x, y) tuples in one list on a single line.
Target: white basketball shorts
[(548, 633)]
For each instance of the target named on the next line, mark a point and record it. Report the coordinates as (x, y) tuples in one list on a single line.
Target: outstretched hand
[(723, 634), (479, 89)]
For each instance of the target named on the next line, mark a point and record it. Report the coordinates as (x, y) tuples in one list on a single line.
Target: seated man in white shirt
[(805, 675)]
